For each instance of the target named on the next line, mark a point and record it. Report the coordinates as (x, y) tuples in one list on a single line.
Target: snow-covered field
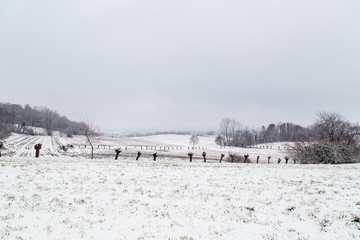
[(177, 146), (73, 198), (66, 195)]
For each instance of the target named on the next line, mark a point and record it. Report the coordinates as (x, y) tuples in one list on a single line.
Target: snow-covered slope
[(170, 145)]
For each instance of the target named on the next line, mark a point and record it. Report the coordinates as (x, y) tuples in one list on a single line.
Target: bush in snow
[(234, 157), (325, 153)]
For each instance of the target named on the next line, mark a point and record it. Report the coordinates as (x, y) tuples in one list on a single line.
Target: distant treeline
[(26, 119), (234, 134)]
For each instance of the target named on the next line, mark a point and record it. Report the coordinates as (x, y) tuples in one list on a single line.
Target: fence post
[(204, 156)]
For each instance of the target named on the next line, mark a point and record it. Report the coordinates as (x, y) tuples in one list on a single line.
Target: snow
[(170, 145), (66, 195), (175, 199)]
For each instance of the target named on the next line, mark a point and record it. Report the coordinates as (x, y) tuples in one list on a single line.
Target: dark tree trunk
[(190, 155), (138, 155), (246, 156), (117, 151), (221, 157), (37, 150)]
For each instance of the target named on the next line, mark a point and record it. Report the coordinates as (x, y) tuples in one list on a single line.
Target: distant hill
[(26, 119)]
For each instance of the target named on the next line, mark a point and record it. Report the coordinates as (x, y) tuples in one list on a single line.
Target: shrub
[(234, 157), (325, 153)]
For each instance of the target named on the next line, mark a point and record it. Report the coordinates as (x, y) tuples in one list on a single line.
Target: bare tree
[(225, 128), (88, 130), (235, 132), (352, 133), (219, 140), (330, 126), (49, 119), (194, 139), (4, 131)]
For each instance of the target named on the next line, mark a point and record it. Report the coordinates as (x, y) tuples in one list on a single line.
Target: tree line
[(330, 139), (233, 133), (26, 119)]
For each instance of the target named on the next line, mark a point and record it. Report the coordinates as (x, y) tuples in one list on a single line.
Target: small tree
[(220, 140), (88, 130), (194, 139)]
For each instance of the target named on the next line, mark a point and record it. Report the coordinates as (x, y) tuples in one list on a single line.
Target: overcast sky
[(182, 65)]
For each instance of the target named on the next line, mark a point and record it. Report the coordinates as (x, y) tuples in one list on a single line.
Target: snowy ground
[(73, 198), (65, 195), (171, 145)]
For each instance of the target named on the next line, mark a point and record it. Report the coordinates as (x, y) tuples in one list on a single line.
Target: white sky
[(182, 65)]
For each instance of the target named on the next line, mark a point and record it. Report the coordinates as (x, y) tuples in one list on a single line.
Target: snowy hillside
[(178, 146)]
